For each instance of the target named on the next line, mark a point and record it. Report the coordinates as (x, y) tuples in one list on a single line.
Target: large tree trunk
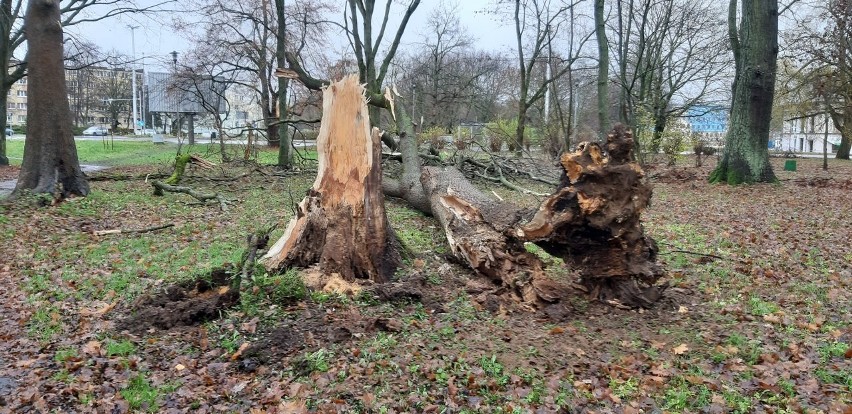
[(50, 162), (285, 156), (341, 224), (603, 68), (478, 231), (592, 222), (845, 129), (755, 48)]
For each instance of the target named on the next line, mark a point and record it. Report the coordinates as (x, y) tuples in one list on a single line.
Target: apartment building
[(96, 96), (16, 106)]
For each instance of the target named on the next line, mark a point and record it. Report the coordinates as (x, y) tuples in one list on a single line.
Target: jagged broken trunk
[(592, 221), (341, 225)]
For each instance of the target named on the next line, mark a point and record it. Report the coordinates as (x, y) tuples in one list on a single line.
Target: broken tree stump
[(593, 222), (341, 224)]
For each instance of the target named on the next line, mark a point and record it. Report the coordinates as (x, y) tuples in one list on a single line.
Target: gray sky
[(155, 40)]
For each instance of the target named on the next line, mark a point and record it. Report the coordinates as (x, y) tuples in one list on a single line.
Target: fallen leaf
[(557, 330), (250, 326), (92, 348), (772, 318), (680, 349), (180, 367), (682, 309), (239, 352)]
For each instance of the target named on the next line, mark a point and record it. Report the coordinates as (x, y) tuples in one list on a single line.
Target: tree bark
[(341, 225), (285, 156), (755, 48), (50, 162)]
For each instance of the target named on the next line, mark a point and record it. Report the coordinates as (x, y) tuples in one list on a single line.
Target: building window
[(11, 105), (22, 92), (22, 81), (22, 105), (22, 118)]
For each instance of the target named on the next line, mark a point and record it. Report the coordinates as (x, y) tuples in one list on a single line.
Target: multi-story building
[(709, 122), (806, 134), (16, 109), (96, 96)]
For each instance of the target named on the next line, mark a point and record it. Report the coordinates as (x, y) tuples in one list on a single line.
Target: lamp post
[(174, 63), (133, 75)]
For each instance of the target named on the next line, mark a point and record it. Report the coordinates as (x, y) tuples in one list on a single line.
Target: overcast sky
[(154, 40)]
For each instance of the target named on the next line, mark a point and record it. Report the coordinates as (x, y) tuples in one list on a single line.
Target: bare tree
[(445, 77), (538, 24), (244, 43), (668, 60), (50, 162)]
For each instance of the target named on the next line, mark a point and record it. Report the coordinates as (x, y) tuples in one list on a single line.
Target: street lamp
[(174, 63), (133, 74)]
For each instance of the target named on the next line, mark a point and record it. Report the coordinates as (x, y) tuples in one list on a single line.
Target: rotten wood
[(341, 224)]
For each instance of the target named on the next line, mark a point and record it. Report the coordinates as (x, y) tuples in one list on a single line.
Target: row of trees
[(653, 59)]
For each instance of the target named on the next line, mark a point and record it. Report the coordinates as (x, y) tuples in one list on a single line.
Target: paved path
[(7, 186)]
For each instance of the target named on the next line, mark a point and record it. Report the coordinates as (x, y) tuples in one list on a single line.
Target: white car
[(96, 130)]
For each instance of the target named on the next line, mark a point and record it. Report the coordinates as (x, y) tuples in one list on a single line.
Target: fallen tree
[(592, 220)]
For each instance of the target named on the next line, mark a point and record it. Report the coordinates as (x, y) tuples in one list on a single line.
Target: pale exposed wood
[(341, 225)]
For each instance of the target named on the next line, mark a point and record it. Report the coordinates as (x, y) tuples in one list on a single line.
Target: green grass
[(143, 152), (122, 348), (141, 395)]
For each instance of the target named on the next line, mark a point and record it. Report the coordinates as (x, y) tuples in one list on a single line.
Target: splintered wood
[(341, 224)]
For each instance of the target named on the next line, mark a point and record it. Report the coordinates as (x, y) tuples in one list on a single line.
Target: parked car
[(96, 130), (9, 132)]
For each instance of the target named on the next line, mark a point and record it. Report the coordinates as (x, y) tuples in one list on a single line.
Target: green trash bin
[(790, 165)]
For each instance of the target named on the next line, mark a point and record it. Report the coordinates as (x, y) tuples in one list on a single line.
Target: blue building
[(709, 122)]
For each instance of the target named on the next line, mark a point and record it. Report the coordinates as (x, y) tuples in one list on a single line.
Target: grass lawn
[(763, 326), (126, 153)]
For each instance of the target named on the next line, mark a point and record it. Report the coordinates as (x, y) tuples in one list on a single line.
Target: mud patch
[(185, 304), (311, 329)]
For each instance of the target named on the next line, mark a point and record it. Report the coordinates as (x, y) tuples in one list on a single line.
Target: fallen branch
[(160, 187), (126, 231), (712, 256), (123, 177)]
